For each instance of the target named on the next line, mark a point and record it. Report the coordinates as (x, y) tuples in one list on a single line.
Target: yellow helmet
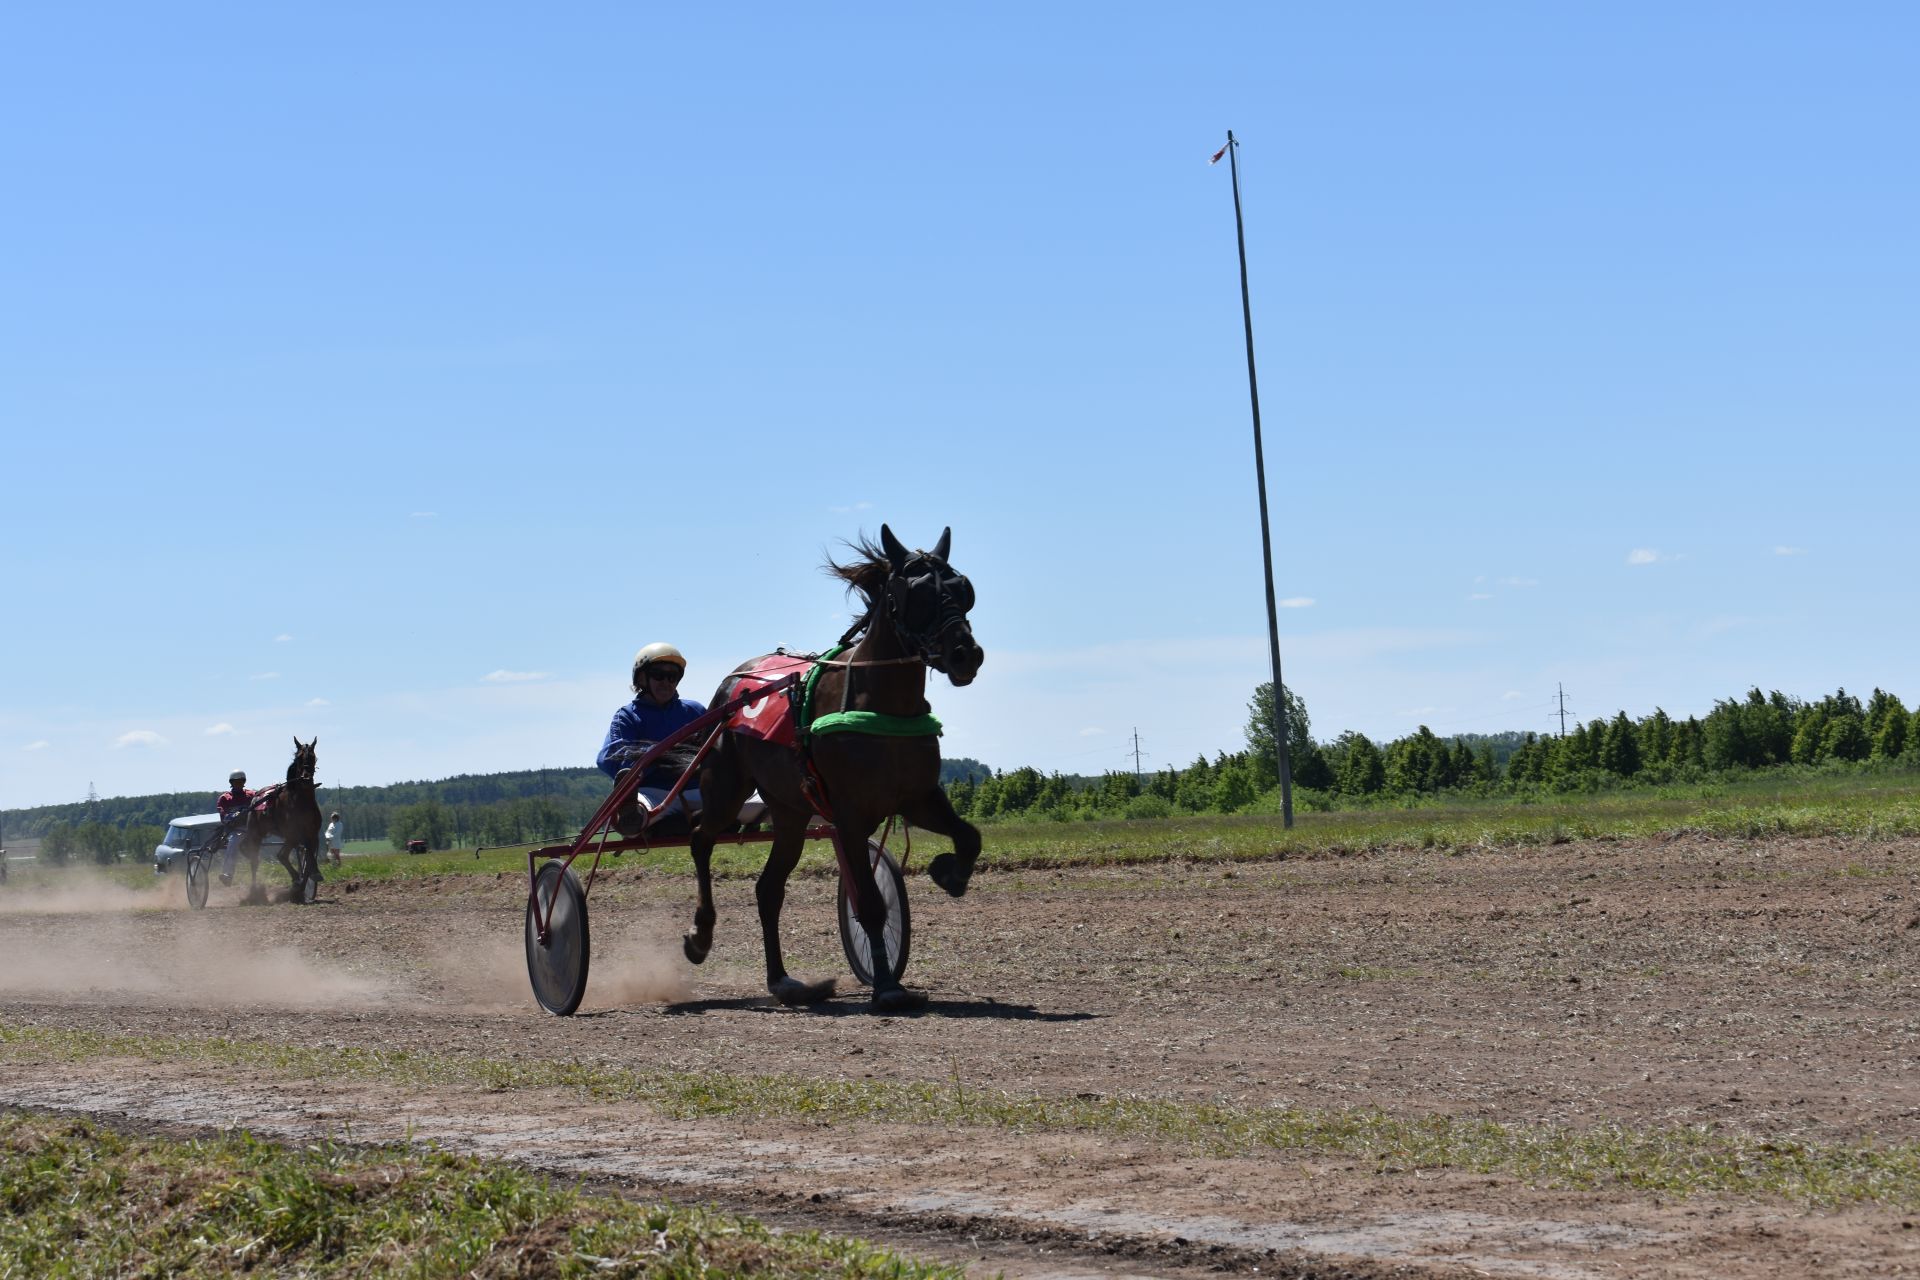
[(657, 652)]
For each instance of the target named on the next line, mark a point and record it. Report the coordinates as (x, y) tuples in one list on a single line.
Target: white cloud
[(282, 638), (140, 738), (265, 675), (318, 702), (847, 511), (38, 744), (1481, 595), (514, 677), (1091, 732), (1644, 555), (1789, 551), (1297, 602), (217, 730), (1520, 582), (1511, 694)]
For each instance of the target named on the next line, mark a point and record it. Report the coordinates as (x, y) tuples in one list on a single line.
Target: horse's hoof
[(791, 991), (898, 1000), (946, 871), (695, 950)]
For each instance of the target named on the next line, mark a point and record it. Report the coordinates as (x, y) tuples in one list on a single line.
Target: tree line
[(1755, 731), (98, 842), (520, 807)]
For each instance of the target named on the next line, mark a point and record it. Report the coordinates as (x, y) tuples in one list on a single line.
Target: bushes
[(1148, 806)]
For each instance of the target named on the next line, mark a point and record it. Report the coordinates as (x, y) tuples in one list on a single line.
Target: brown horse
[(916, 618), (292, 812)]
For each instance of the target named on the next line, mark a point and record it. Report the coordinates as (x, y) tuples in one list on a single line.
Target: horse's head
[(927, 603), (305, 761)]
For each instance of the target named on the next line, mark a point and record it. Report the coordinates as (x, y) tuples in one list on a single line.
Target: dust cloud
[(90, 937), (635, 966), (82, 892), (486, 974), (483, 974)]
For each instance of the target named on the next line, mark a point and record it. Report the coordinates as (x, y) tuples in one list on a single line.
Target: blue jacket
[(643, 722)]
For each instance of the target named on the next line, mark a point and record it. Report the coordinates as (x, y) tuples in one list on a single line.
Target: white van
[(184, 834)]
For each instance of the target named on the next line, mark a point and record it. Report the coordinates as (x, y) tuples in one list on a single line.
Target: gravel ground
[(1762, 987)]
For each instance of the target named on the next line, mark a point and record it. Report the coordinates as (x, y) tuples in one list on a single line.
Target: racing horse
[(916, 618), (292, 812)]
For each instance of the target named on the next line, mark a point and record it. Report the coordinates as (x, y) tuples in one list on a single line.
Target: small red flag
[(1216, 155)]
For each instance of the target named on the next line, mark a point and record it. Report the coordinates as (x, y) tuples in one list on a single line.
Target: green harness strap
[(875, 722)]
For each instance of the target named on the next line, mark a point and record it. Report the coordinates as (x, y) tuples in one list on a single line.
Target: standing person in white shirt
[(333, 838)]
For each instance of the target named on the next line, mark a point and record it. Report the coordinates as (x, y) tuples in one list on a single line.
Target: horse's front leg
[(934, 812), (770, 894), (870, 910)]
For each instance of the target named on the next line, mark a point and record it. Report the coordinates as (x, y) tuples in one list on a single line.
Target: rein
[(907, 661), (862, 623)]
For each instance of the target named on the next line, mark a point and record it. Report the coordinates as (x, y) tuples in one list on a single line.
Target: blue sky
[(391, 373)]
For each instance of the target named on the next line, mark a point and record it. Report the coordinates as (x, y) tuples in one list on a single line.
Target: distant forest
[(1756, 731), (458, 812), (1740, 734)]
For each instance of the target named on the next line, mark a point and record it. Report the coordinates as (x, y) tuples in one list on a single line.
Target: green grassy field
[(1849, 806), (83, 1200)]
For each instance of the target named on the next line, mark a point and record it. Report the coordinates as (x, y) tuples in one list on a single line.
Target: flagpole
[(1260, 479)]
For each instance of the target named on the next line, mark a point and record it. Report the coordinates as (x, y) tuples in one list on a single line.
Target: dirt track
[(1766, 988)]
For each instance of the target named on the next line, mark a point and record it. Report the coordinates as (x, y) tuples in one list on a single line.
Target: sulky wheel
[(557, 968), (307, 887), (899, 933), (198, 873)]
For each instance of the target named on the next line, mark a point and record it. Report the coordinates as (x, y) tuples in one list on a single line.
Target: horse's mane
[(866, 572)]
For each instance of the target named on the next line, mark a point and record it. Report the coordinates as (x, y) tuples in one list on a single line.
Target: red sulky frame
[(600, 824)]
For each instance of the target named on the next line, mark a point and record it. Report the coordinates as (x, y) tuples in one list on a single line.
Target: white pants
[(688, 802), (651, 798), (233, 852)]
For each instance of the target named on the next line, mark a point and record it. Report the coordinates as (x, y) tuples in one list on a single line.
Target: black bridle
[(923, 599)]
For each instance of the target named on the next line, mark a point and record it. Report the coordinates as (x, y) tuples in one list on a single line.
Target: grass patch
[(79, 1199), (1672, 1160), (1865, 806)]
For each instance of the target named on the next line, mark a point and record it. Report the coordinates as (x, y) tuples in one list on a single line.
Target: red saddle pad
[(771, 719)]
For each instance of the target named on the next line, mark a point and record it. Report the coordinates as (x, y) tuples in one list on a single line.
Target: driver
[(657, 710), (233, 805)]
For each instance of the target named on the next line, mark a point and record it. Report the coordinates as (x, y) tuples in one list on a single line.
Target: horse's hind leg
[(870, 910), (697, 942), (770, 894), (723, 789)]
